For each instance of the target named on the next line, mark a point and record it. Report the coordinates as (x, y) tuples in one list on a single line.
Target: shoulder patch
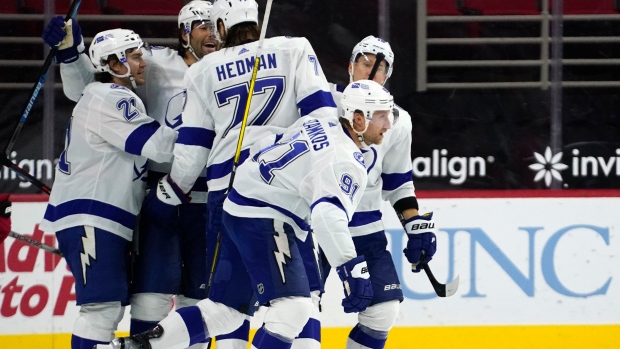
[(118, 87), (359, 158)]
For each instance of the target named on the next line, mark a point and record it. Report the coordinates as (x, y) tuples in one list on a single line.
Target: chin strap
[(360, 134), (189, 47), (360, 138)]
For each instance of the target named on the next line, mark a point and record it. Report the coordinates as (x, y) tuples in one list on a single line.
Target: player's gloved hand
[(67, 36), (161, 202), (5, 216), (421, 232), (356, 282), (169, 193)]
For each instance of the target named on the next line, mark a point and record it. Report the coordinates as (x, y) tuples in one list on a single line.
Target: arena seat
[(500, 7), (583, 7), (8, 6), (62, 6), (441, 8), (87, 7), (152, 7)]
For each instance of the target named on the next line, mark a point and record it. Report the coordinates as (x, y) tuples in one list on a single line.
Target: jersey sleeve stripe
[(392, 181), (90, 207), (317, 100), (196, 136), (331, 200), (241, 200), (363, 218), (223, 169), (137, 139)]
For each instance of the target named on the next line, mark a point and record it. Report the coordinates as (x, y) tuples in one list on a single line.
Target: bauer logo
[(457, 168), (549, 166)]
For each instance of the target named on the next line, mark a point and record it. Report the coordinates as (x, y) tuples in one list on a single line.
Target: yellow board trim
[(474, 337)]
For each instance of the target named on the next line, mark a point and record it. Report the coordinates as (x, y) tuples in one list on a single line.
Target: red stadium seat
[(583, 7), (87, 7), (151, 7), (441, 8), (8, 6), (501, 7), (62, 6)]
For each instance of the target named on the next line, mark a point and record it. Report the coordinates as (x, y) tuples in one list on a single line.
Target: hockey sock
[(310, 336), (182, 328), (264, 339), (138, 326), (84, 343), (235, 340), (362, 337)]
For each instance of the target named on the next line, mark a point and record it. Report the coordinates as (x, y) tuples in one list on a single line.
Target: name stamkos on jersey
[(316, 133)]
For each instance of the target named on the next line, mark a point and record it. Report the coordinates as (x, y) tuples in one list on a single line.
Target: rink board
[(535, 273)]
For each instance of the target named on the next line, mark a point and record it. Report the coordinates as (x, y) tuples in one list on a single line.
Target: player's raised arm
[(76, 69)]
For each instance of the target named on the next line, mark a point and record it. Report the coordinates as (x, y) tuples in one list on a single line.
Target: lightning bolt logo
[(88, 243), (316, 252), (141, 172), (283, 248)]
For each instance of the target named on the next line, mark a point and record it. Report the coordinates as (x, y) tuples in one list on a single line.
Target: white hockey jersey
[(290, 84), (390, 175), (314, 162), (163, 93), (99, 177)]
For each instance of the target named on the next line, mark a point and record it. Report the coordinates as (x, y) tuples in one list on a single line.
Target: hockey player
[(5, 217), (389, 178), (99, 187), (290, 84), (171, 255), (312, 173)]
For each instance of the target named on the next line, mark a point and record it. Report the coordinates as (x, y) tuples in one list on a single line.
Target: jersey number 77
[(273, 85)]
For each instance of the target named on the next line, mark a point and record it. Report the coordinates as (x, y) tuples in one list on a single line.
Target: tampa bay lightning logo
[(370, 158), (359, 157), (175, 108), (140, 171)]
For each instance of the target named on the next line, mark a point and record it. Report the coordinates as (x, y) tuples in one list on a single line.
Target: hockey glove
[(67, 36), (421, 233), (161, 202), (356, 282), (169, 192), (5, 216)]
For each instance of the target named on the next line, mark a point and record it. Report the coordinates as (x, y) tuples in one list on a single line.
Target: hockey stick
[(379, 57), (37, 86), (442, 290), (27, 176), (242, 131), (35, 243)]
